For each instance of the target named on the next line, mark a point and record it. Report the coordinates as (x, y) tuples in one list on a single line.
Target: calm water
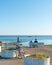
[(45, 39)]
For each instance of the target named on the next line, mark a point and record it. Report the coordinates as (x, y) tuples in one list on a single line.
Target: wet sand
[(48, 51)]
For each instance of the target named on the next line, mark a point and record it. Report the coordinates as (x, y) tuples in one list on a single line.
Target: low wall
[(0, 48), (8, 53), (36, 61)]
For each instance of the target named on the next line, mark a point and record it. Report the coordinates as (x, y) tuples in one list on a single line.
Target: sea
[(46, 39)]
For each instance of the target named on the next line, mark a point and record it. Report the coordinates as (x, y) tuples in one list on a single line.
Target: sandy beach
[(48, 51)]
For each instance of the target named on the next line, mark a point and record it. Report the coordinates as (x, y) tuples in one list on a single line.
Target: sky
[(25, 17)]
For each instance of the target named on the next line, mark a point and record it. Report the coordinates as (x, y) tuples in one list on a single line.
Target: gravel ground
[(48, 51)]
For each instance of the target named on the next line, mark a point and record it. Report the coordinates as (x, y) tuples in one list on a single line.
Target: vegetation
[(25, 47), (9, 48), (49, 46), (38, 55), (0, 43)]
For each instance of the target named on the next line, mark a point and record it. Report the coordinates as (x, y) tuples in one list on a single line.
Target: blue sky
[(25, 17)]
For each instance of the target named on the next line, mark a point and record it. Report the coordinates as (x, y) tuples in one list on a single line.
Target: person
[(18, 49), (18, 40), (35, 41)]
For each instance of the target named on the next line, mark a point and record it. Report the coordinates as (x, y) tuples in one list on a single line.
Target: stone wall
[(8, 53), (0, 48), (36, 61)]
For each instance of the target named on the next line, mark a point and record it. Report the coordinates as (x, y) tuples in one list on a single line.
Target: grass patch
[(25, 47), (9, 48), (49, 46), (38, 55)]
